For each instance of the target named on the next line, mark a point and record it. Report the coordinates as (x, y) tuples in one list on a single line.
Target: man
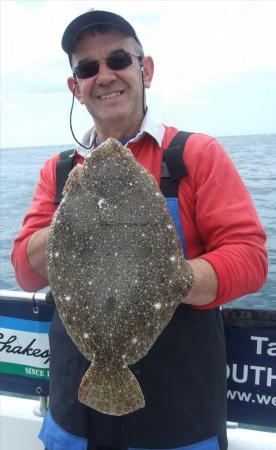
[(183, 376)]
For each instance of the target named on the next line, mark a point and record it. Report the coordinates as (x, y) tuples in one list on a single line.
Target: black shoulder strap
[(63, 168), (173, 167)]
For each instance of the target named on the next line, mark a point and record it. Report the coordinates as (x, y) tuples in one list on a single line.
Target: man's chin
[(114, 116)]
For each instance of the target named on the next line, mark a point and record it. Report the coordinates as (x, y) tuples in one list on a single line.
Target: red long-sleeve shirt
[(219, 220)]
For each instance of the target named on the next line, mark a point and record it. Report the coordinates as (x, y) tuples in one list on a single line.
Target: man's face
[(114, 98)]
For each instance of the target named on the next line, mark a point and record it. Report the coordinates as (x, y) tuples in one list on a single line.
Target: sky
[(215, 66)]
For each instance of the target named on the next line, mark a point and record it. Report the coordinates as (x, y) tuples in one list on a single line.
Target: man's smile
[(109, 95)]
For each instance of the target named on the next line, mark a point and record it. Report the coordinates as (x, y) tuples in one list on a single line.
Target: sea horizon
[(222, 136), (253, 155)]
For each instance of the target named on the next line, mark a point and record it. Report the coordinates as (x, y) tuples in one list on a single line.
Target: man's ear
[(74, 88), (148, 70)]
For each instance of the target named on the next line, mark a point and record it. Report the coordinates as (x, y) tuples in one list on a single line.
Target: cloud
[(206, 53), (9, 105), (43, 77), (194, 43)]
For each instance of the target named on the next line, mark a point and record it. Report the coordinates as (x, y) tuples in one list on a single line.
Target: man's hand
[(205, 286), (36, 251)]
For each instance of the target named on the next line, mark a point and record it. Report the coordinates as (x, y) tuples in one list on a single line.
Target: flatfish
[(116, 271)]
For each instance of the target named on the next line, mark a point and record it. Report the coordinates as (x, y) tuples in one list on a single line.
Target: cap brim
[(90, 20)]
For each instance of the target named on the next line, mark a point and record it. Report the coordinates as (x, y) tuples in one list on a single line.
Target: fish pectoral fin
[(115, 392)]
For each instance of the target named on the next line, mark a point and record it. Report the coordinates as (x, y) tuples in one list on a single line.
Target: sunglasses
[(118, 61)]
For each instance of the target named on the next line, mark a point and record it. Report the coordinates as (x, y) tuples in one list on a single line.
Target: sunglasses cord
[(72, 107), (71, 126), (143, 84)]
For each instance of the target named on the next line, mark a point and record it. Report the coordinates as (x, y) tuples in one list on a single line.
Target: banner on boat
[(251, 357), (251, 367), (24, 347)]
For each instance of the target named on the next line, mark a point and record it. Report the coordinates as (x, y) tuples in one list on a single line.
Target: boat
[(25, 319)]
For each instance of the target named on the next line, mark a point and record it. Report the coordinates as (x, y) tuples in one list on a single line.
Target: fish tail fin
[(115, 393)]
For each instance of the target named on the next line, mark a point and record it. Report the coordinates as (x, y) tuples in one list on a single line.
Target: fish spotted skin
[(116, 271)]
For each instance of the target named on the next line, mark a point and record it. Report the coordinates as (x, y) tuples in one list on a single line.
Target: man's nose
[(105, 74)]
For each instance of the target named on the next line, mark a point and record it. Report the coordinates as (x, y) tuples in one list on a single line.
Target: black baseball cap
[(91, 19)]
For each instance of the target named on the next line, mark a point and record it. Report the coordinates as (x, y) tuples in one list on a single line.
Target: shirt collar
[(148, 125)]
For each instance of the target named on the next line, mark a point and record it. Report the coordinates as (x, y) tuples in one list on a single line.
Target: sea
[(253, 155)]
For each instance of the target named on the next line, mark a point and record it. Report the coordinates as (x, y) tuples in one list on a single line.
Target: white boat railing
[(22, 295)]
